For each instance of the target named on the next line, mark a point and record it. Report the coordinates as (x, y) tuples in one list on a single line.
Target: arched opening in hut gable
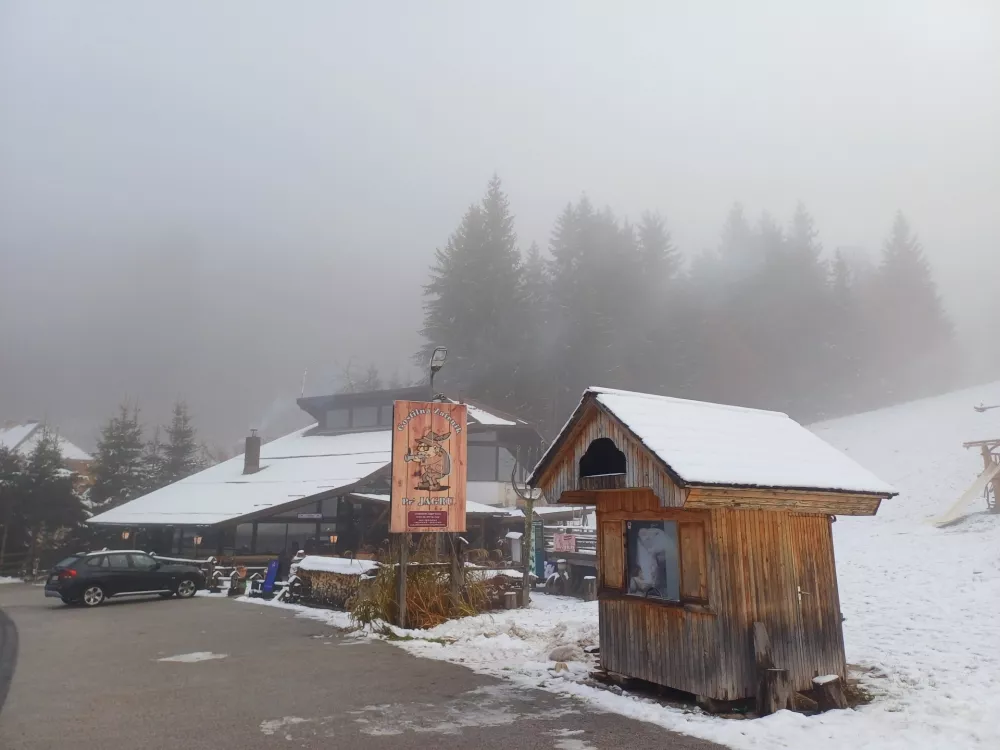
[(602, 466)]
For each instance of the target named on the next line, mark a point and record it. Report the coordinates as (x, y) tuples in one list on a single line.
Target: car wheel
[(186, 588), (93, 596)]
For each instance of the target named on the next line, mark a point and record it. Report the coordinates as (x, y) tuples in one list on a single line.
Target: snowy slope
[(922, 604)]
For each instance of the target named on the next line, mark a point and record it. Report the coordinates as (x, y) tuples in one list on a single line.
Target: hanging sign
[(428, 467)]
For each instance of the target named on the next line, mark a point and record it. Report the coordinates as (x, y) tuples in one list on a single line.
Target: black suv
[(91, 577)]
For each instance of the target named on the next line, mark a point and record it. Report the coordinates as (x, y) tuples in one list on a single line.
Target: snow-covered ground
[(8, 579), (922, 605)]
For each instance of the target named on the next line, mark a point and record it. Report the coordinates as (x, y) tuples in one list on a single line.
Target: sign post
[(428, 477)]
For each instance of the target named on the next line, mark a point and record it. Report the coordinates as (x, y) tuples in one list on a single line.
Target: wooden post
[(526, 549), (829, 692), (404, 561), (987, 462), (589, 588), (457, 569), (772, 684)]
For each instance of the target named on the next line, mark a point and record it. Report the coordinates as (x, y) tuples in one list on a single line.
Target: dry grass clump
[(428, 591)]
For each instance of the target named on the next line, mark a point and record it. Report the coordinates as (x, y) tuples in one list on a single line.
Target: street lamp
[(438, 357)]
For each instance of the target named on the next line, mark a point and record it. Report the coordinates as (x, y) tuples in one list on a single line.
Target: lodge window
[(359, 417), (662, 560), (489, 463), (364, 416)]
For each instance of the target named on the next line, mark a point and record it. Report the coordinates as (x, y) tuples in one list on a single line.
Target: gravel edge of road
[(8, 655)]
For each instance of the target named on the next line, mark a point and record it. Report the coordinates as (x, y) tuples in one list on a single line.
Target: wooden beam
[(820, 503)]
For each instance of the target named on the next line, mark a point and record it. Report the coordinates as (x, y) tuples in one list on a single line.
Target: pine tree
[(182, 455), (914, 332), (473, 301), (153, 465), (119, 474), (50, 506), (12, 535)]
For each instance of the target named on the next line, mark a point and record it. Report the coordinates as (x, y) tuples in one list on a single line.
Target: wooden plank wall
[(642, 469), (757, 562), (765, 558)]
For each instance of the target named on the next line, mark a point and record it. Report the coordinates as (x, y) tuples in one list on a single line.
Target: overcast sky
[(203, 200)]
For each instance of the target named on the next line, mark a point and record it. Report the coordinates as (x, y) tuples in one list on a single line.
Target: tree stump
[(829, 692), (510, 600), (772, 683)]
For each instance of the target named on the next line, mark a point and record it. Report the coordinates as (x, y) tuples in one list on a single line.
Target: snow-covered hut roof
[(24, 437), (296, 466), (703, 443)]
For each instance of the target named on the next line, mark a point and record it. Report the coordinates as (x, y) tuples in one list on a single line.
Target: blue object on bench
[(271, 577)]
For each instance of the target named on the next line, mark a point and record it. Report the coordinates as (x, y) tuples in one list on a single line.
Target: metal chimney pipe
[(251, 455)]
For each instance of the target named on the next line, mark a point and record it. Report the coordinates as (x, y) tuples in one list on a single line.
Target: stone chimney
[(251, 456)]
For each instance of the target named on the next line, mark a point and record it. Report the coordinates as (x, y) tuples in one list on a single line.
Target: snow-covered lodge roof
[(25, 436), (294, 467), (706, 444), (316, 461)]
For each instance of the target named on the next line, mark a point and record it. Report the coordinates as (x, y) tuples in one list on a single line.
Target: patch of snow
[(194, 657), (273, 726), (8, 579), (342, 565), (484, 417)]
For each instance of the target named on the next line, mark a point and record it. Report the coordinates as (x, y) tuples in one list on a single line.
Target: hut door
[(816, 597)]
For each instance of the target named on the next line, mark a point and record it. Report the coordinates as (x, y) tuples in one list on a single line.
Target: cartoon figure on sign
[(433, 461)]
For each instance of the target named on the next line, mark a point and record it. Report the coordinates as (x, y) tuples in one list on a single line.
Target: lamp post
[(438, 357)]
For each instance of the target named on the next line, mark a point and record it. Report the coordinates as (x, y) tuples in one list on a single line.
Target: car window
[(143, 562), (118, 562), (66, 562), (97, 561)]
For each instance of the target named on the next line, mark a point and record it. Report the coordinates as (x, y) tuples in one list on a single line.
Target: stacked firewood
[(329, 589)]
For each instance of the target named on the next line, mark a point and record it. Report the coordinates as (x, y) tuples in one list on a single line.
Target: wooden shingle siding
[(641, 468), (757, 562)]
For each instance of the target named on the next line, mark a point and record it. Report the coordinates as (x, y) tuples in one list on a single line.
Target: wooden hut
[(712, 521)]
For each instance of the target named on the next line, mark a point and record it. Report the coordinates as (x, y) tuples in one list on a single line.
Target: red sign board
[(437, 519), (428, 467), (564, 542)]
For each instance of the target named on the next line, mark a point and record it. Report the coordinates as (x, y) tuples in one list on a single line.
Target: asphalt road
[(93, 680)]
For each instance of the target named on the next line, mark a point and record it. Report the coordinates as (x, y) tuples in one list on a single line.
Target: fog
[(205, 201)]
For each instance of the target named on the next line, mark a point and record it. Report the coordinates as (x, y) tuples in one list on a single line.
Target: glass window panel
[(330, 507), (118, 562), (298, 535), (338, 419), (143, 562), (385, 414), (365, 416), (482, 463), (244, 536), (653, 565), (507, 464), (271, 538), (97, 562)]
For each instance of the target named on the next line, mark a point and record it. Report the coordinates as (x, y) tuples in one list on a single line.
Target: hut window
[(601, 459), (654, 569)]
